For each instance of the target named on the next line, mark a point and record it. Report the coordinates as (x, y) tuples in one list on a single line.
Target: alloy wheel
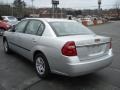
[(40, 65)]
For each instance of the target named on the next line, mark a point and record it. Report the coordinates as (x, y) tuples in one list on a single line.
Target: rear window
[(11, 18), (69, 28)]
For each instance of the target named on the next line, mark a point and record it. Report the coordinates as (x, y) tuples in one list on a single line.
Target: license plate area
[(94, 49)]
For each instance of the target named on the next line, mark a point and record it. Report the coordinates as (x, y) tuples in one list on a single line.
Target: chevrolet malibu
[(59, 46)]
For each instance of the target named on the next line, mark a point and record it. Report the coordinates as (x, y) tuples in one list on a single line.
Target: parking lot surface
[(17, 73)]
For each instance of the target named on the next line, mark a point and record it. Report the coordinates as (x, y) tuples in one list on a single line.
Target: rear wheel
[(41, 66), (6, 46)]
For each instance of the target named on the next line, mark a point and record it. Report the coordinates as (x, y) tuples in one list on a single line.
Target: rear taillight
[(69, 49)]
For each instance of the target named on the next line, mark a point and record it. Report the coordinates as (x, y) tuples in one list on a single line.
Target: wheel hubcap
[(40, 65)]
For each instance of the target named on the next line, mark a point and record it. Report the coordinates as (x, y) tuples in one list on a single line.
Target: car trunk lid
[(90, 46)]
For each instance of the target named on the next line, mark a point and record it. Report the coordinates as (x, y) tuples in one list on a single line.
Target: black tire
[(6, 47), (44, 65)]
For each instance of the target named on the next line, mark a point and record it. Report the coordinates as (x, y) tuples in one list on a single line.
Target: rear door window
[(33, 27), (41, 29), (21, 26)]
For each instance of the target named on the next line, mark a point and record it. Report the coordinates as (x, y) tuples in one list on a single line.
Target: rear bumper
[(88, 66)]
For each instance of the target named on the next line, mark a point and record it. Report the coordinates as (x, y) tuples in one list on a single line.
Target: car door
[(31, 35), (15, 40)]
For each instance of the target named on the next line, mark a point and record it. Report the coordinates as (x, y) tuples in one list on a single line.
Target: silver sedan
[(60, 46)]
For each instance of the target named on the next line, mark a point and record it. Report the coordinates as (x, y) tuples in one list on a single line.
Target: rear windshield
[(69, 28), (11, 18)]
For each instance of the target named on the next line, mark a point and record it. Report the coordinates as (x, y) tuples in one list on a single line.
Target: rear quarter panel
[(51, 47)]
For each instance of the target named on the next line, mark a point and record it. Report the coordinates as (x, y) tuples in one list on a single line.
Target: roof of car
[(7, 16), (51, 19)]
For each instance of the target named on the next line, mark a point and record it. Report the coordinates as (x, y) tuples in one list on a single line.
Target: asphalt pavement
[(17, 73)]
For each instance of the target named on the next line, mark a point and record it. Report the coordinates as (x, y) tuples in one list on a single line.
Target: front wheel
[(41, 66)]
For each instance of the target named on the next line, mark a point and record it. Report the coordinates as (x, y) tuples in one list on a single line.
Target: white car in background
[(11, 20), (79, 20)]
